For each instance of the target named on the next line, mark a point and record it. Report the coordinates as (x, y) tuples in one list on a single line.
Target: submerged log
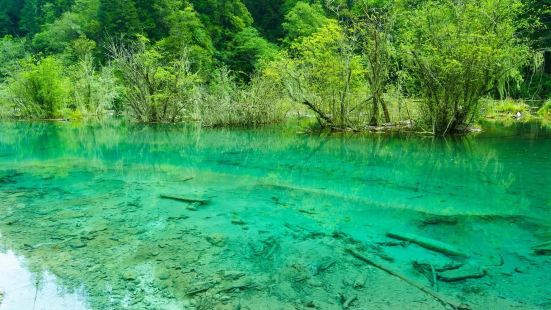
[(542, 248), (238, 286), (461, 274), (200, 287), (348, 302), (441, 298), (429, 244), (186, 199)]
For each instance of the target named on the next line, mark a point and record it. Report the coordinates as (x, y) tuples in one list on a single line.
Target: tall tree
[(248, 49), (268, 16), (187, 36), (119, 17), (150, 13), (303, 19), (460, 51), (10, 13), (223, 19), (30, 17)]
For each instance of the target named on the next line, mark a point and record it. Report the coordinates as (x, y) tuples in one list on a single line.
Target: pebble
[(315, 283), (520, 270), (78, 244), (218, 240), (129, 276), (360, 281), (164, 275), (232, 275), (238, 222)]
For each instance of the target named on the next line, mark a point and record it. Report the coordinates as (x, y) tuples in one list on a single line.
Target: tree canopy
[(341, 57)]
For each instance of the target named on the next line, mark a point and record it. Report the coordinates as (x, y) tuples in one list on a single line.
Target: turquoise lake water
[(85, 222)]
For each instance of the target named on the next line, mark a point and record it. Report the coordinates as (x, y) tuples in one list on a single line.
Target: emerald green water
[(83, 224)]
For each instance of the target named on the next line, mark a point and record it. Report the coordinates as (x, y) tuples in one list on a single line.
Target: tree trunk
[(385, 111), (375, 118), (547, 62)]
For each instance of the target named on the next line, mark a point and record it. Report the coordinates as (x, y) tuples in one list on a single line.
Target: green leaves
[(40, 89), (248, 50), (460, 51), (303, 20), (187, 34)]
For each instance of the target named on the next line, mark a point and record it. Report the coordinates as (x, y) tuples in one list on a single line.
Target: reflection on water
[(23, 290), (84, 203)]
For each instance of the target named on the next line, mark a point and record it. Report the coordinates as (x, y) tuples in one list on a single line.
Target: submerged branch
[(441, 298)]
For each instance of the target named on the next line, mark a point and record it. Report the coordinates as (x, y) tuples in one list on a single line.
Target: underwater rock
[(542, 248), (307, 211), (347, 302), (136, 299), (314, 283), (360, 280), (10, 177), (129, 275), (218, 240), (199, 287), (238, 285), (310, 304), (164, 275), (324, 265), (520, 270), (232, 275), (238, 222), (178, 217), (270, 246), (438, 220), (225, 299), (77, 244)]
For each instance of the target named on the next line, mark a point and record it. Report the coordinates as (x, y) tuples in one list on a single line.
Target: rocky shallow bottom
[(124, 245)]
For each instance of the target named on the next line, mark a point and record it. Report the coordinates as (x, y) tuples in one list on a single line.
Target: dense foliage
[(351, 64)]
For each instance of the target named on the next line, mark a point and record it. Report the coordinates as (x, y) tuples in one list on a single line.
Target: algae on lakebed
[(84, 203)]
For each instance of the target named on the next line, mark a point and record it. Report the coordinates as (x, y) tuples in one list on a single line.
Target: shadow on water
[(280, 214)]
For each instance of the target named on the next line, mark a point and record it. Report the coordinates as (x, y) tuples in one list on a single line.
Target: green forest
[(436, 66)]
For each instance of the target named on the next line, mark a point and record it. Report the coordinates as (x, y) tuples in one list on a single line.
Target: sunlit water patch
[(25, 290), (140, 217)]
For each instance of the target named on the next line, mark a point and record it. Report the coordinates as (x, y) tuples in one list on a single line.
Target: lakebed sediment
[(278, 228)]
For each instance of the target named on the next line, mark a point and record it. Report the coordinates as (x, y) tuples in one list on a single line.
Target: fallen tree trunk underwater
[(186, 199), (441, 298), (429, 244)]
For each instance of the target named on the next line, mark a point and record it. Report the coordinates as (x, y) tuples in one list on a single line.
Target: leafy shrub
[(227, 103), (39, 90), (545, 111), (155, 90), (512, 107), (12, 52), (94, 93), (327, 77), (457, 60)]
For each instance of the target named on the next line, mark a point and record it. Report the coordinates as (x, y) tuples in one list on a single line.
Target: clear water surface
[(85, 222)]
